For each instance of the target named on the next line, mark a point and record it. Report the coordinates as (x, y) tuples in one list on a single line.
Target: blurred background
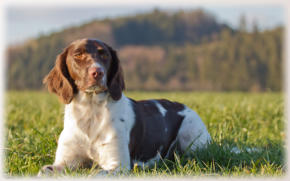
[(161, 47)]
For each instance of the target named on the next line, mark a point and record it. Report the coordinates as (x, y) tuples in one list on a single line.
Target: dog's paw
[(47, 170)]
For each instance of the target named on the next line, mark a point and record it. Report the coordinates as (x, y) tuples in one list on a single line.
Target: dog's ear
[(115, 81), (58, 80)]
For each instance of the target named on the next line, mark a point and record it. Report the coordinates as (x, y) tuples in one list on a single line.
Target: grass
[(244, 120)]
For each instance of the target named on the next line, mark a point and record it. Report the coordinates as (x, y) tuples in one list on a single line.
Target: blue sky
[(27, 22)]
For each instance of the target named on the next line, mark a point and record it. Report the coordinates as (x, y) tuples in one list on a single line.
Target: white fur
[(192, 131), (93, 130), (160, 108)]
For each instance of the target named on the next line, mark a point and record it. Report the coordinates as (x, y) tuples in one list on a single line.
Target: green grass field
[(34, 121)]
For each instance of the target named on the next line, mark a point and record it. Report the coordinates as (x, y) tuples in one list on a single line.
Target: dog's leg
[(69, 154), (114, 156), (192, 132)]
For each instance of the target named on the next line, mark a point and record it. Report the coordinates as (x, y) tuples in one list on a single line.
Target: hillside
[(164, 51)]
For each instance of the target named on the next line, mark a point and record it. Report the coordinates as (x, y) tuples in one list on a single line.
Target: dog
[(102, 125)]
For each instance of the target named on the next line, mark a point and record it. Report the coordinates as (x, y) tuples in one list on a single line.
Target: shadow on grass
[(225, 158)]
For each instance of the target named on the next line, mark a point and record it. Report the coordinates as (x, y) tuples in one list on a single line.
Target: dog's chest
[(86, 118), (93, 126), (92, 120)]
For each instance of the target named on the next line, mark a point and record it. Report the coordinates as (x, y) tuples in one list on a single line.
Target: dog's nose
[(96, 72)]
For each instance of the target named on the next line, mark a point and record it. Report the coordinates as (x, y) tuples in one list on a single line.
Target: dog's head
[(86, 65)]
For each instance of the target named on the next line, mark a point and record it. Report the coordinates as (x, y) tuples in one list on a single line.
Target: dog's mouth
[(96, 89)]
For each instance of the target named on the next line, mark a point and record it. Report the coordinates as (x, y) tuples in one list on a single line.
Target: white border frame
[(51, 3)]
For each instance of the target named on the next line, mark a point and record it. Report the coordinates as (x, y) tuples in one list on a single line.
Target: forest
[(164, 51)]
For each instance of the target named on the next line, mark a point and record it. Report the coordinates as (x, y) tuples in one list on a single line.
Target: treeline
[(163, 28), (165, 51), (240, 62)]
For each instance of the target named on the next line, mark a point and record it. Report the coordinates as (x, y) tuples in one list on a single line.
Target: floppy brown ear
[(115, 81), (58, 80)]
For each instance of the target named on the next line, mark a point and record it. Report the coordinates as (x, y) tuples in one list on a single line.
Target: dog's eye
[(78, 55), (103, 54)]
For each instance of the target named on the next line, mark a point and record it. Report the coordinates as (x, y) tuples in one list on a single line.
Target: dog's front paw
[(48, 170)]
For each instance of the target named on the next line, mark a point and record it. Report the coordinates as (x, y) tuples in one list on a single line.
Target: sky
[(24, 22)]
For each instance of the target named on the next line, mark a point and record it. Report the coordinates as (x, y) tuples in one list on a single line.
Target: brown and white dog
[(102, 125)]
